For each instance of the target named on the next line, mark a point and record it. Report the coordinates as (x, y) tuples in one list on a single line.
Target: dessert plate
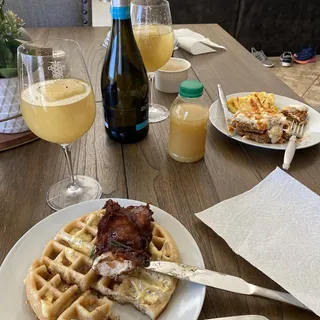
[(311, 135), (185, 304)]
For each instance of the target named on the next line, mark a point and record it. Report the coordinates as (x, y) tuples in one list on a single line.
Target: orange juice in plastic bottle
[(188, 123)]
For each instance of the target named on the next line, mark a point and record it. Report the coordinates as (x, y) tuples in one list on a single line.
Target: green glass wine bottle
[(124, 81)]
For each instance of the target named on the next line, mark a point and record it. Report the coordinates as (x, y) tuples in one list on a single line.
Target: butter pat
[(46, 304)]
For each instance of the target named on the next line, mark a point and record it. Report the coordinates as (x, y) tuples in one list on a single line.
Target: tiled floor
[(303, 79)]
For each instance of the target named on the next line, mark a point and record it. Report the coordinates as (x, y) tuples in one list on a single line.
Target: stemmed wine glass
[(152, 27), (58, 105)]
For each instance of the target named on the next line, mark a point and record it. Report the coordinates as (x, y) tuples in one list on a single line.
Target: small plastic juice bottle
[(188, 123)]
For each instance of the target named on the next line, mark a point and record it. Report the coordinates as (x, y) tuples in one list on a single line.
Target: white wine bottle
[(124, 81)]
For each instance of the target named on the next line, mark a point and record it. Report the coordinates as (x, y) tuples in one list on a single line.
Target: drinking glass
[(58, 105), (152, 27)]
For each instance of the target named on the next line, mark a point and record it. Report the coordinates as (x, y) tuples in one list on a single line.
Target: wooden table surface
[(145, 172)]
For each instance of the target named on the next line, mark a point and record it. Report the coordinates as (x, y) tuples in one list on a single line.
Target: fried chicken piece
[(123, 239)]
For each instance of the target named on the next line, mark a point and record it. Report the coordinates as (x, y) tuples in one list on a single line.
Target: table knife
[(221, 281), (248, 317), (227, 114)]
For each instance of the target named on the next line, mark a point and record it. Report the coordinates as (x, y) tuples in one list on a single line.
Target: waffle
[(69, 256), (51, 298)]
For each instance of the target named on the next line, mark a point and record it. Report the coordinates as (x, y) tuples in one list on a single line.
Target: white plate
[(311, 132), (186, 302)]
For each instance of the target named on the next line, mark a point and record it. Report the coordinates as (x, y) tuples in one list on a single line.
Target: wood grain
[(144, 171)]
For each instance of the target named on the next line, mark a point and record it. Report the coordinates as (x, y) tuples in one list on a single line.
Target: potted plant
[(11, 35)]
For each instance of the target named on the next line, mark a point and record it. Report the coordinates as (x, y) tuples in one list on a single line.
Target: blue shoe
[(305, 56)]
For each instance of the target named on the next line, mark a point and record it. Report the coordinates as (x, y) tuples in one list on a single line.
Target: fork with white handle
[(296, 132)]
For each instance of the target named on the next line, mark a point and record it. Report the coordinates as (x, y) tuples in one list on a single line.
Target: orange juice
[(188, 130), (59, 111), (188, 123), (155, 43)]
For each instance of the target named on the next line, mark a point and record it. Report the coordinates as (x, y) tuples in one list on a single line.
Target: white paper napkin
[(194, 42), (276, 227)]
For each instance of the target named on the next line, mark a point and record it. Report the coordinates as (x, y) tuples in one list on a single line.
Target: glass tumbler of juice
[(188, 123)]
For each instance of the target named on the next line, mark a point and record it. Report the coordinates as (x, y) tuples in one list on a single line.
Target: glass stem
[(151, 79), (67, 152)]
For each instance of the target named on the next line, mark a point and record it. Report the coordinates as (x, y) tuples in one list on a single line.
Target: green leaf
[(118, 244), (6, 56), (13, 44), (10, 29), (93, 252), (1, 10), (8, 72), (14, 23), (12, 64)]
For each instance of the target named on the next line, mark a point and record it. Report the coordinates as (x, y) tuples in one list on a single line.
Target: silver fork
[(296, 132)]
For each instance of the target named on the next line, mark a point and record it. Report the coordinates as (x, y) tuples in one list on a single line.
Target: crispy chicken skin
[(123, 239)]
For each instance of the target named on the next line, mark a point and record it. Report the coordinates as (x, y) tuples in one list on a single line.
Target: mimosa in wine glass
[(152, 27), (58, 105)]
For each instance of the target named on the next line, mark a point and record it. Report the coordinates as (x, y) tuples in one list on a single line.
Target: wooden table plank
[(144, 171)]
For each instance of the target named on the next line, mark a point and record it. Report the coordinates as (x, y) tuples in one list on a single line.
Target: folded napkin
[(276, 227), (194, 42)]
